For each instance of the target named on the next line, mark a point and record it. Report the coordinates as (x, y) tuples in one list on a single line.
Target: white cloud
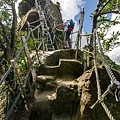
[(115, 55), (69, 7)]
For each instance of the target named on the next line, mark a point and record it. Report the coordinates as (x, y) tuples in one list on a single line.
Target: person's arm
[(62, 24)]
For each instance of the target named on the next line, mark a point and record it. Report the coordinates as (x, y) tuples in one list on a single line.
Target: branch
[(14, 24), (100, 2), (96, 14), (7, 2), (103, 7), (117, 12), (115, 22)]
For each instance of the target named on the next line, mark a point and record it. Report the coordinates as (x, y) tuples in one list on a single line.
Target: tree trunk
[(13, 31)]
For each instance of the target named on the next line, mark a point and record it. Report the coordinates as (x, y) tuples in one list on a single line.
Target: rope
[(6, 74), (17, 98), (15, 59), (21, 24), (12, 107), (34, 22), (44, 25), (107, 111), (59, 39), (96, 71), (114, 82), (36, 27), (52, 16), (100, 99), (109, 71), (59, 30)]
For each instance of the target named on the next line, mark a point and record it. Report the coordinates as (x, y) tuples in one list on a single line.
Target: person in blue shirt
[(68, 28)]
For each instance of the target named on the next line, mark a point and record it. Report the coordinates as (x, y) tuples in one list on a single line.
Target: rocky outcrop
[(67, 97), (25, 7), (61, 63), (72, 99), (33, 17)]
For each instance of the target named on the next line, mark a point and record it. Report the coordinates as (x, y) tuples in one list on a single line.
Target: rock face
[(25, 6), (52, 16), (70, 98), (61, 63), (60, 108)]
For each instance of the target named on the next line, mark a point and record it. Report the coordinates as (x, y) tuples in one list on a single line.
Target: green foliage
[(105, 22), (4, 15), (60, 35), (110, 42), (58, 5)]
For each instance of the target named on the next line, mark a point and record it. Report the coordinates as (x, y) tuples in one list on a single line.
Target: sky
[(90, 6)]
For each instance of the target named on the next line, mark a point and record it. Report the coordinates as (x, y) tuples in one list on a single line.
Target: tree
[(102, 21), (8, 22), (101, 16)]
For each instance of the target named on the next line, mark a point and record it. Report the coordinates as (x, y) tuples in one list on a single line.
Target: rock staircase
[(55, 84), (60, 62)]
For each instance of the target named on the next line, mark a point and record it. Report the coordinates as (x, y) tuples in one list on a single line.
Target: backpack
[(71, 26)]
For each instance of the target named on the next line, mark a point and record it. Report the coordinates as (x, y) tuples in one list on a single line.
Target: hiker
[(68, 28)]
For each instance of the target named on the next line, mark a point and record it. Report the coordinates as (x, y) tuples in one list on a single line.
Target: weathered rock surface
[(25, 6), (68, 97), (71, 98)]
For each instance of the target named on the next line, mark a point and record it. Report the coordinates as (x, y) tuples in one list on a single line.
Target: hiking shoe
[(68, 47), (65, 46), (117, 94)]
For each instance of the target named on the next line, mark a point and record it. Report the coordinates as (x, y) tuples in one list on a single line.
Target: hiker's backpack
[(71, 26)]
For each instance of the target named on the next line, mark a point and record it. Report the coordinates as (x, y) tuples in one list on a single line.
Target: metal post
[(79, 32)]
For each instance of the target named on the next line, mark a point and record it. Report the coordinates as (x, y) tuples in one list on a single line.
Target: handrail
[(112, 77), (14, 60)]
